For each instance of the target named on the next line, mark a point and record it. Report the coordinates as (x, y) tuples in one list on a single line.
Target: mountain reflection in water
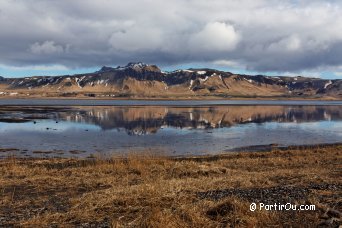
[(84, 130), (148, 120)]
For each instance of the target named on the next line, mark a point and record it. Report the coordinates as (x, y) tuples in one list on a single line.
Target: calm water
[(70, 131)]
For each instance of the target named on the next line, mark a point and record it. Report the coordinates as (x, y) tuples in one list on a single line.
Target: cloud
[(136, 39), (257, 35), (227, 63), (35, 68), (215, 37), (291, 44), (47, 47)]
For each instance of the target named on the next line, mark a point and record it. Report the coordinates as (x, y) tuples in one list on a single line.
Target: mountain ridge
[(138, 79)]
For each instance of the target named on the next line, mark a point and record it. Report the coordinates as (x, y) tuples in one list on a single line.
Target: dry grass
[(151, 191)]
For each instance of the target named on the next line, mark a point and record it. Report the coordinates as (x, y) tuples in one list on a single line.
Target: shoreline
[(173, 103), (11, 152), (182, 98), (150, 190)]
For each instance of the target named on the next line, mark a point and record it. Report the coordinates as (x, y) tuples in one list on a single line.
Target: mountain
[(139, 80)]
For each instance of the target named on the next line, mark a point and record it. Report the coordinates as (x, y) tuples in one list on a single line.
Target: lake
[(83, 128)]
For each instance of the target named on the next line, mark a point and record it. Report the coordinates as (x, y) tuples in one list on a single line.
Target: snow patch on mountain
[(191, 83), (204, 79), (327, 84), (201, 72)]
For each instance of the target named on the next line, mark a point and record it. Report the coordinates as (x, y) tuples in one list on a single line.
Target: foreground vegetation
[(152, 191)]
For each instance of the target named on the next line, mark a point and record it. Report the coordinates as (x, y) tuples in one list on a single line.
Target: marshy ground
[(154, 191)]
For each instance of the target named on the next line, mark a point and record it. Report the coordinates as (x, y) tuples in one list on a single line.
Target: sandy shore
[(150, 191)]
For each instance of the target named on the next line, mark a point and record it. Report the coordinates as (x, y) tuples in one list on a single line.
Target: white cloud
[(47, 47), (215, 37), (312, 74), (227, 63)]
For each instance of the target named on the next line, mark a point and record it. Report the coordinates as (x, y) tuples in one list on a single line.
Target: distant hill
[(139, 80)]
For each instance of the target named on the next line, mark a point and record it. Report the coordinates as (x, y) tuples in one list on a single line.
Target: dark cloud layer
[(261, 35)]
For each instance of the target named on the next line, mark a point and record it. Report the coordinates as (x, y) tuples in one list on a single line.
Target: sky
[(288, 37)]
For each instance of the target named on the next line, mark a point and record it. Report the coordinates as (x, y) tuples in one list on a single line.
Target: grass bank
[(152, 191)]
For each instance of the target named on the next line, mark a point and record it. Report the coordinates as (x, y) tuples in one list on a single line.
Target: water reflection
[(148, 120), (63, 131)]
